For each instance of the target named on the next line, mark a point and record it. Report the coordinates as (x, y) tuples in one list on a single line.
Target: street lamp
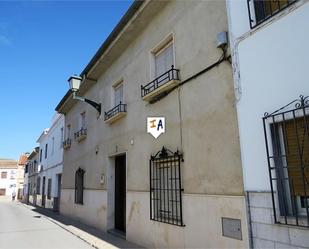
[(75, 82)]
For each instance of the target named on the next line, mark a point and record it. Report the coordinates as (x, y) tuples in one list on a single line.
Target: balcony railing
[(80, 135), (67, 143), (171, 75), (262, 10), (117, 112)]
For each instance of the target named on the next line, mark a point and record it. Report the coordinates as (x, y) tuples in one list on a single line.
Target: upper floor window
[(83, 120), (261, 10), (53, 145), (287, 145), (68, 132), (61, 137), (163, 57), (119, 109), (164, 74), (4, 175), (118, 93), (46, 148)]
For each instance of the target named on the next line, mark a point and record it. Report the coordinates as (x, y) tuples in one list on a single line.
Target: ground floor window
[(165, 187), (79, 186), (287, 144), (49, 186), (38, 185)]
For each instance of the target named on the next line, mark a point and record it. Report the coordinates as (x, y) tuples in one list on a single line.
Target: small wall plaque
[(231, 228)]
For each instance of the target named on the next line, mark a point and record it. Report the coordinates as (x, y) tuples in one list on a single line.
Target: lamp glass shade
[(74, 82)]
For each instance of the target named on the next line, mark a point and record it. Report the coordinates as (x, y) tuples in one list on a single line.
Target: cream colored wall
[(209, 132), (94, 210), (208, 114), (202, 217)]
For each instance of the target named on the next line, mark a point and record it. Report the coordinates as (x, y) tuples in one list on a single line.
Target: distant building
[(32, 172), (50, 164), (8, 176), (20, 175)]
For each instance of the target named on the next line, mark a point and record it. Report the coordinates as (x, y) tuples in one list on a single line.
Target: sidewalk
[(95, 237)]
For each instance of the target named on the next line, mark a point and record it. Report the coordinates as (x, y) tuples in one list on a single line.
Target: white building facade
[(270, 66), (8, 177), (50, 164)]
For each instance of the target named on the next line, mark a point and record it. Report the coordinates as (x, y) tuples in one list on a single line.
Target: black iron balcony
[(66, 143), (80, 135), (114, 114), (262, 10), (162, 83)]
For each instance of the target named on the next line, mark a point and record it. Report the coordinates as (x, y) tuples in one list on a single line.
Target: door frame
[(110, 186)]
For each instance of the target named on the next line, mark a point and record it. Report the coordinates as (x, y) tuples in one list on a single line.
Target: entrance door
[(43, 192), (120, 193), (57, 208)]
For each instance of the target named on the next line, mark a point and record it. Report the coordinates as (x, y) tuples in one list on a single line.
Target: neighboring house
[(270, 64), (50, 164), (20, 176), (33, 166), (185, 188), (25, 197), (8, 177)]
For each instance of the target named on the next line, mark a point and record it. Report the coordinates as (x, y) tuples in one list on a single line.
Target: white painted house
[(8, 177), (50, 164), (270, 66)]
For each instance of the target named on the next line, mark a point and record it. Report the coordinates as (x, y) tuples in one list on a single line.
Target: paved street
[(20, 227)]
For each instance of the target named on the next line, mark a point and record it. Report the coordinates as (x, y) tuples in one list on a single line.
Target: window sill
[(116, 117), (80, 138), (66, 146), (163, 88)]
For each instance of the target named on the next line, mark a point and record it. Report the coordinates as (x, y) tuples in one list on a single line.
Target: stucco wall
[(200, 122), (271, 69)]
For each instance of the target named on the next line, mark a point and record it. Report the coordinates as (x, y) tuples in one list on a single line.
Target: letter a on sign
[(155, 126)]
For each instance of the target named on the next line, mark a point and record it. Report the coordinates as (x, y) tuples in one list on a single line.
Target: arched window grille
[(286, 133), (79, 186), (165, 187)]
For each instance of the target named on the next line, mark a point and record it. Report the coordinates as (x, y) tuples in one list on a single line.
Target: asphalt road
[(20, 227)]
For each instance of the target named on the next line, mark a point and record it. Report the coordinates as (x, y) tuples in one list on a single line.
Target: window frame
[(166, 187), (46, 150), (4, 175), (253, 6), (283, 166), (79, 189), (158, 49), (49, 188)]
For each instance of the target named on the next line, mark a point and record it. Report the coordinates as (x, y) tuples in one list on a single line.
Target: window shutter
[(164, 60), (297, 143), (118, 95)]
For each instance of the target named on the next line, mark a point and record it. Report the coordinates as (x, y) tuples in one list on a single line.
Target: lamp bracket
[(97, 106)]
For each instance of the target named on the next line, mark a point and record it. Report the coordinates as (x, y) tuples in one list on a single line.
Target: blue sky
[(41, 44)]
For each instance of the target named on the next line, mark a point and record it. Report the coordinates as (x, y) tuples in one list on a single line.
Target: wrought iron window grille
[(172, 74), (165, 187), (114, 111), (262, 10), (286, 133), (79, 186), (81, 133)]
